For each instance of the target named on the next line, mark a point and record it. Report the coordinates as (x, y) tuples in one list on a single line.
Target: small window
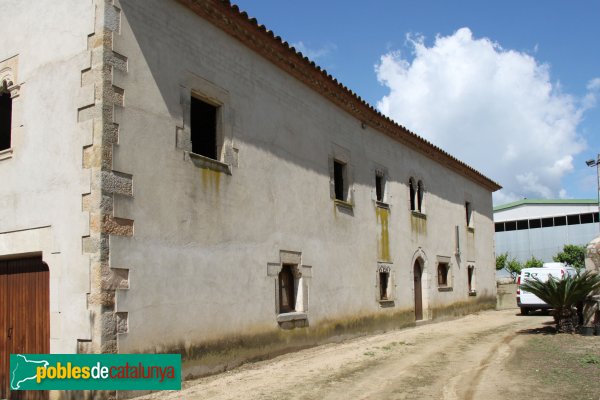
[(596, 217), (468, 212), (499, 226), (535, 223), (203, 126), (560, 221), (573, 219), (5, 117), (384, 280), (470, 271), (547, 222), (443, 274), (420, 191), (412, 194), (339, 172), (587, 218), (522, 224), (510, 225), (287, 294), (379, 187)]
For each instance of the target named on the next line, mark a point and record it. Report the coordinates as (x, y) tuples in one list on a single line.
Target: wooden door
[(417, 273), (24, 317)]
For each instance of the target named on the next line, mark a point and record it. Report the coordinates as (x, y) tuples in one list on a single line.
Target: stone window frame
[(389, 300), (302, 275), (206, 91), (416, 196), (8, 80), (341, 155), (383, 173), (449, 275)]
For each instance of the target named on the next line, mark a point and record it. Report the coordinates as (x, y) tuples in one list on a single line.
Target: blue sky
[(543, 58)]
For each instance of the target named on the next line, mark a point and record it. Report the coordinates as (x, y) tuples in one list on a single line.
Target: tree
[(563, 295), (514, 267), (572, 255), (501, 261), (533, 263)]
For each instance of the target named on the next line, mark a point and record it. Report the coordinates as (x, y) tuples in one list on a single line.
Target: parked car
[(529, 302)]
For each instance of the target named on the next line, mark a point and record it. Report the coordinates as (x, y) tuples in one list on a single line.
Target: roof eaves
[(545, 201), (238, 24)]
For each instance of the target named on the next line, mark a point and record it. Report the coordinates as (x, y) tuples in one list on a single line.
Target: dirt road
[(460, 359)]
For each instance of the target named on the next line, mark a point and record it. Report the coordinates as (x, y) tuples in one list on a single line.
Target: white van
[(529, 302)]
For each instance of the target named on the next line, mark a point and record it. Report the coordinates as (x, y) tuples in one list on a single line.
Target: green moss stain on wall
[(210, 179), (418, 224), (383, 239)]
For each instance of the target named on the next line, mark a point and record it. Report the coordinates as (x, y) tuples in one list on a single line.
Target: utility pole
[(596, 163)]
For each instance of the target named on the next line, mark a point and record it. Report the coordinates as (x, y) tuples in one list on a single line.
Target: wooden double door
[(24, 317)]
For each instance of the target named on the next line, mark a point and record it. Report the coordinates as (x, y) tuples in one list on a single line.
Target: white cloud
[(493, 108), (312, 53)]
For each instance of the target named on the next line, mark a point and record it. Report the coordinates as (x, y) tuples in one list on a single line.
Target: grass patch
[(564, 366)]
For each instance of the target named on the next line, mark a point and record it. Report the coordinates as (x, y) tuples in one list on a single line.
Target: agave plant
[(563, 295)]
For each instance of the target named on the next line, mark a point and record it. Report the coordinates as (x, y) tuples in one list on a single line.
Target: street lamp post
[(596, 163)]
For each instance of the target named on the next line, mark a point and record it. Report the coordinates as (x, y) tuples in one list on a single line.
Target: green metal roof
[(545, 201)]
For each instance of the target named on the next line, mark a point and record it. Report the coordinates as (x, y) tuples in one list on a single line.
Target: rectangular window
[(287, 294), (560, 221), (587, 218), (522, 224), (5, 118), (379, 187), (535, 223), (468, 212), (383, 285), (510, 225), (596, 217), (499, 226), (203, 126), (573, 219), (339, 172), (443, 274), (547, 222)]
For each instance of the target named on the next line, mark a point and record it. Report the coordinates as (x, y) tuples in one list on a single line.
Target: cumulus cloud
[(493, 108)]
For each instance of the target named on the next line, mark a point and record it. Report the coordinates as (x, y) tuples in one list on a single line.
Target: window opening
[(547, 222), (470, 277), (379, 187), (420, 196), (522, 224), (510, 225), (203, 126), (560, 221), (443, 274), (384, 278), (287, 295), (411, 187), (587, 218), (535, 223), (5, 117), (499, 226), (468, 212), (338, 180)]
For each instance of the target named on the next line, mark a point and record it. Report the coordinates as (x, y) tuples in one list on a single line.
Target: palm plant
[(563, 295)]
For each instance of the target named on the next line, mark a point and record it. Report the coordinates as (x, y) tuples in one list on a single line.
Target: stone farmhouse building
[(176, 178)]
